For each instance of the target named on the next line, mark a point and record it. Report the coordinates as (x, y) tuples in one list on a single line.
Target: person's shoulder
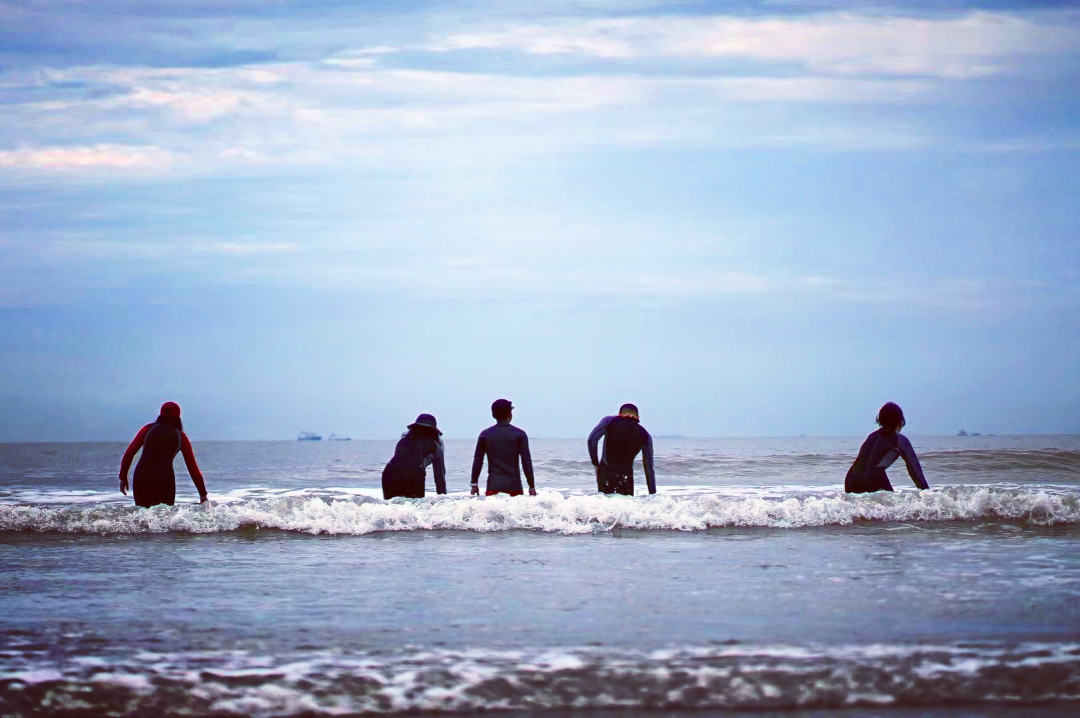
[(903, 441), (604, 423), (519, 431)]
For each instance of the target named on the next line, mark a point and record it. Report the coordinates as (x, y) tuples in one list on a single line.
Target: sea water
[(749, 582)]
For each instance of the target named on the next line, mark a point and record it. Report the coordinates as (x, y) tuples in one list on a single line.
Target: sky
[(749, 218)]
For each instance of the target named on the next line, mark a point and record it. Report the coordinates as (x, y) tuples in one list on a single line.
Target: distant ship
[(335, 437), (308, 436)]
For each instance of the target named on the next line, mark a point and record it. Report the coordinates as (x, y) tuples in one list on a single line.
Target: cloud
[(974, 45), (90, 157), (248, 248), (712, 81)]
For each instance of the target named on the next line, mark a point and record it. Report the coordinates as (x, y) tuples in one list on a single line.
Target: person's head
[(170, 414), (425, 423), (629, 411), (891, 417), (502, 410)]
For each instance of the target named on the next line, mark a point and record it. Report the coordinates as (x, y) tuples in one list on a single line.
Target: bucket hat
[(425, 420)]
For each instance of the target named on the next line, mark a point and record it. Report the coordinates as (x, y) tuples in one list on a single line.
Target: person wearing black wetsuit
[(503, 444), (624, 438), (155, 482), (879, 451), (418, 448)]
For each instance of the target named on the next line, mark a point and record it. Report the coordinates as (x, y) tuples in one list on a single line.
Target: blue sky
[(749, 218)]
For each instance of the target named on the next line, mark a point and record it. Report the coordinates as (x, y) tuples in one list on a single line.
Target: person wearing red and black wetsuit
[(155, 482), (503, 444)]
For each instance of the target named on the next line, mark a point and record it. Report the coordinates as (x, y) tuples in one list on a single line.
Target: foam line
[(438, 682), (326, 512)]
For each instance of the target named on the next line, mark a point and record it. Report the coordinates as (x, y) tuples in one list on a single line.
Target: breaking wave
[(343, 512), (718, 677)]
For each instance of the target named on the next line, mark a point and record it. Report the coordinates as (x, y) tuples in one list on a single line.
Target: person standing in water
[(503, 444), (418, 448), (155, 482), (879, 451), (624, 438)]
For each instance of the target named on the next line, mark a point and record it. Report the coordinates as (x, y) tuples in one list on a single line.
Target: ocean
[(749, 585)]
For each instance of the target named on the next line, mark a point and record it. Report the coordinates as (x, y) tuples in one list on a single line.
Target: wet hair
[(891, 416), (171, 420), (630, 408)]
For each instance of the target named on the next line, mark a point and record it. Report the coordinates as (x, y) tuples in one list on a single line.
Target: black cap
[(628, 408), (425, 420), (501, 407)]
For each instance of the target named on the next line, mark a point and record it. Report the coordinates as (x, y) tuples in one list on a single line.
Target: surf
[(348, 512)]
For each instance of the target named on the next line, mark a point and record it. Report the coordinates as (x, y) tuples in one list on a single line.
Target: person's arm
[(477, 464), (526, 462), (129, 456), (914, 469), (594, 439), (647, 460), (192, 466), (439, 466)]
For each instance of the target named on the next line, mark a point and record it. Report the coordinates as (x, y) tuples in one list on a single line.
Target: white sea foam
[(732, 677), (339, 512)]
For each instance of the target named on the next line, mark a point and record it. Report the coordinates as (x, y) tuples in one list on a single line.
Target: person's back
[(504, 445), (624, 438), (879, 451), (161, 441), (160, 446), (419, 447)]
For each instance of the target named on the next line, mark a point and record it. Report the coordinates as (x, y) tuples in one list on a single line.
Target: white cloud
[(91, 157), (248, 248), (351, 107), (974, 45)]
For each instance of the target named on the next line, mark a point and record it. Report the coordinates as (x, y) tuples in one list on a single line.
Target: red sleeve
[(192, 466), (133, 447)]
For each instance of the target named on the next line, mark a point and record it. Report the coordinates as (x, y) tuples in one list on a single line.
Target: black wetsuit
[(503, 444), (406, 474), (624, 438), (877, 453), (154, 480)]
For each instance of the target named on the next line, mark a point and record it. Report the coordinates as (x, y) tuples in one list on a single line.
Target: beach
[(749, 582)]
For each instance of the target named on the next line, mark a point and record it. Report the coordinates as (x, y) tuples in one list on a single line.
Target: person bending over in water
[(503, 443), (155, 482), (418, 448), (879, 451), (624, 438)]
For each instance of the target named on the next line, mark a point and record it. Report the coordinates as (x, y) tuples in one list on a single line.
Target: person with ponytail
[(879, 451), (161, 441)]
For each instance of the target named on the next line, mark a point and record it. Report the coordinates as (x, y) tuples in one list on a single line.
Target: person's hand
[(123, 485), (474, 490), (532, 491)]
